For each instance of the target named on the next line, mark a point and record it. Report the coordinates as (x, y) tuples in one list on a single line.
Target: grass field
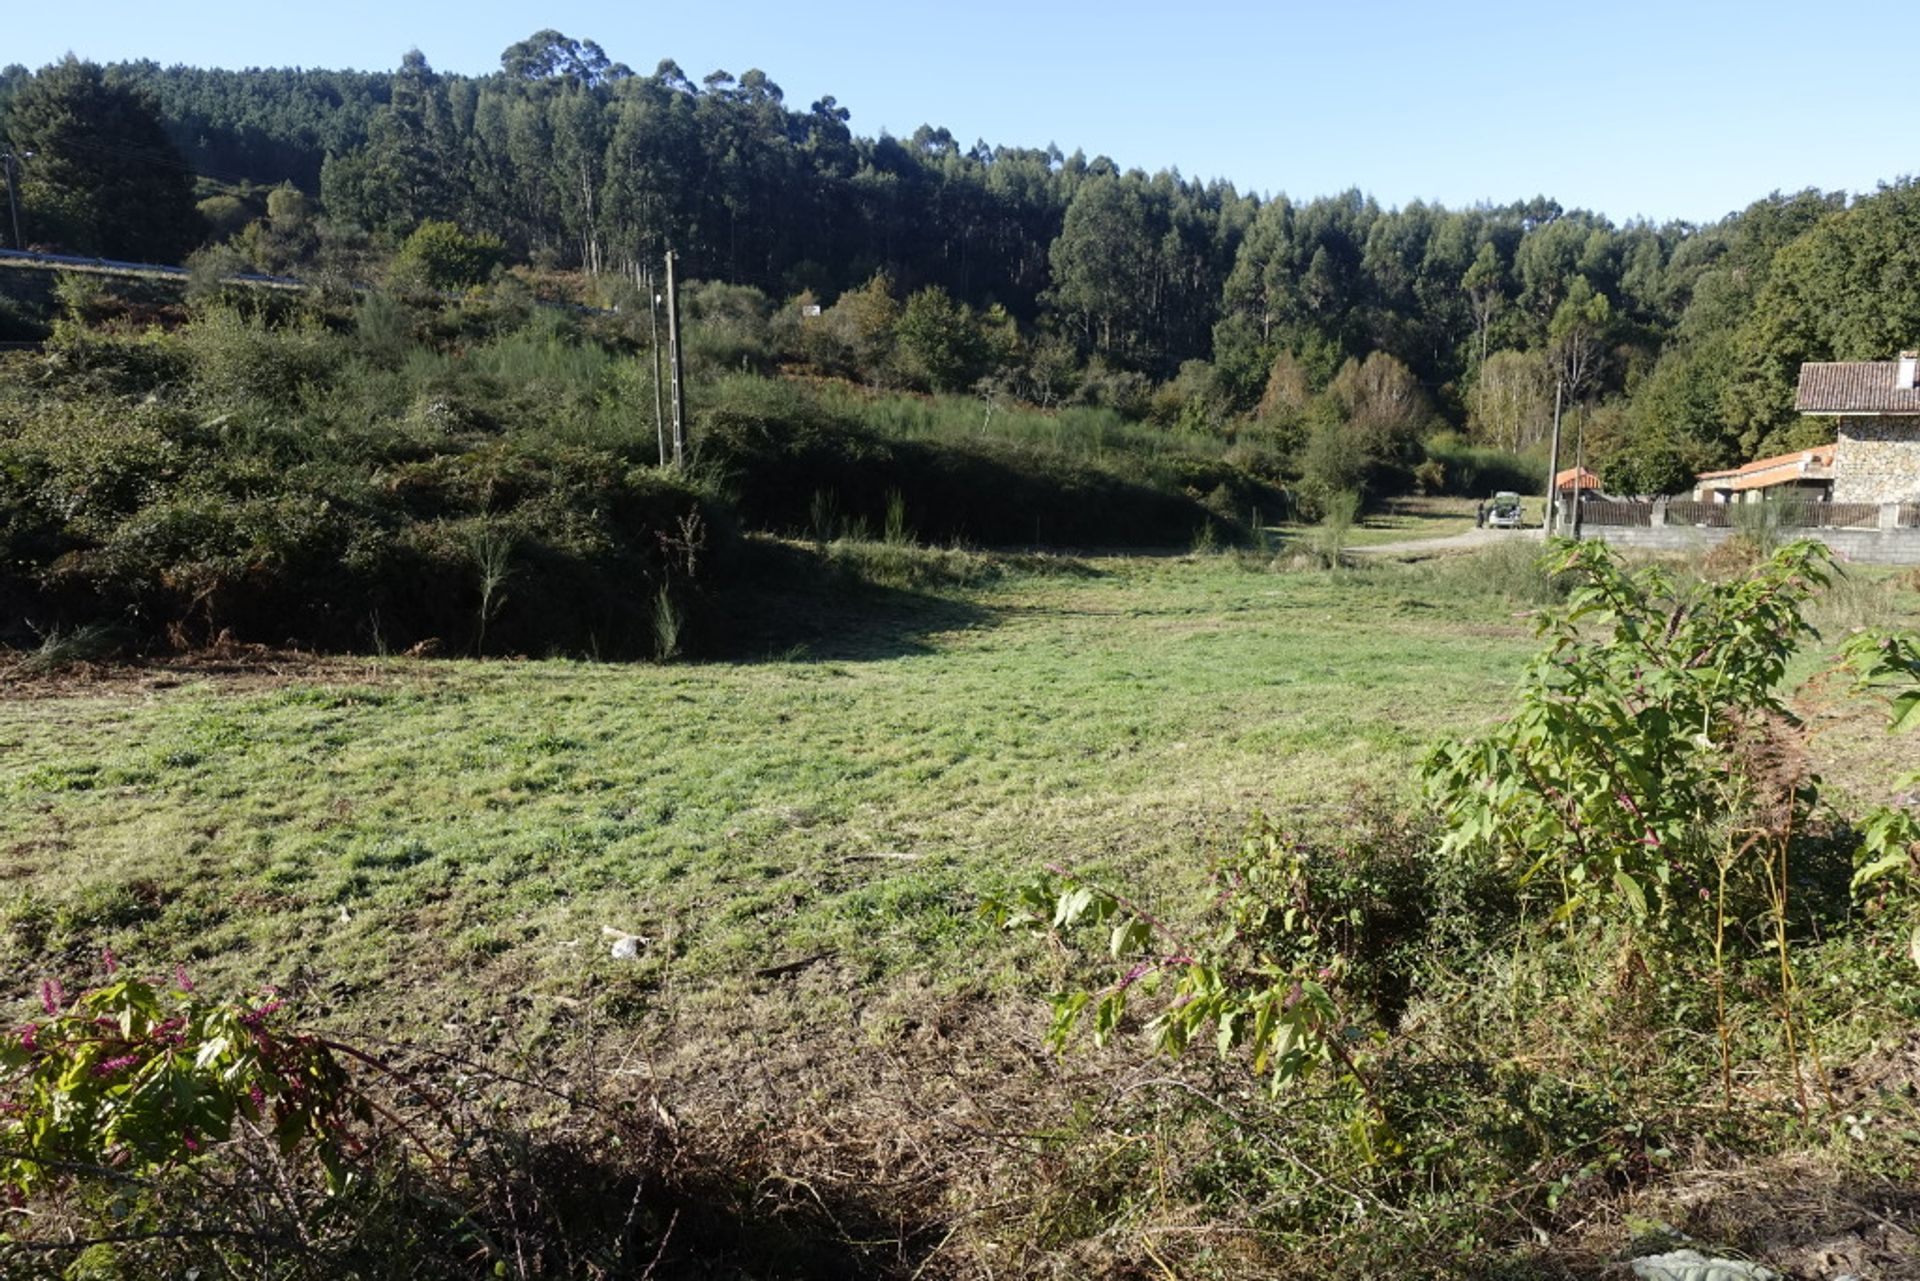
[(432, 851), (1405, 519), (400, 819)]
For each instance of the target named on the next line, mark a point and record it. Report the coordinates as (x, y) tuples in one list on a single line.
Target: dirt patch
[(233, 667), (1801, 1218)]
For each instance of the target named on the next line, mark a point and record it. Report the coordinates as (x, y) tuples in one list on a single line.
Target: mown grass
[(854, 796), (430, 851), (441, 820), (1409, 518)]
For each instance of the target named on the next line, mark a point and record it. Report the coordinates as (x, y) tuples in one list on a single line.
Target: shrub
[(940, 341), (1614, 784), (439, 255), (292, 492), (135, 1077), (243, 364)]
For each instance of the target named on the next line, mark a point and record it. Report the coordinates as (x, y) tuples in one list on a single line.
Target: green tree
[(863, 323), (103, 179), (1484, 285), (940, 343), (1577, 336), (1101, 265)]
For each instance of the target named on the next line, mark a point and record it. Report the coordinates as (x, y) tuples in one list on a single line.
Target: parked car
[(1504, 512)]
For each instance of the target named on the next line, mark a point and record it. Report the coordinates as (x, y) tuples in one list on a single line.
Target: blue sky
[(1671, 110)]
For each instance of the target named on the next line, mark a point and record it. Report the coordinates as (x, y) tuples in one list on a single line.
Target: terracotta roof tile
[(1809, 464), (1854, 387)]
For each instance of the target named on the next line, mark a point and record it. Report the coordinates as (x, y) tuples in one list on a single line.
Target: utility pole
[(1579, 472), (1553, 461), (11, 165), (673, 363), (653, 327)]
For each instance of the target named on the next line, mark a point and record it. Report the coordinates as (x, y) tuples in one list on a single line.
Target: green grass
[(436, 821), (1405, 519), (430, 851)]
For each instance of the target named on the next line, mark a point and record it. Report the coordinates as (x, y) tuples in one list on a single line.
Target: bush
[(242, 364), (267, 483), (439, 255)]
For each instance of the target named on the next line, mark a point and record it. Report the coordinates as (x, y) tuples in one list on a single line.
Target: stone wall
[(1878, 461)]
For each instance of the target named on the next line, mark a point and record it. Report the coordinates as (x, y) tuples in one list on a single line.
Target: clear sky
[(1683, 109)]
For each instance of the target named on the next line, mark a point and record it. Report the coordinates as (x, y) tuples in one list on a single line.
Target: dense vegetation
[(372, 475), (1051, 276)]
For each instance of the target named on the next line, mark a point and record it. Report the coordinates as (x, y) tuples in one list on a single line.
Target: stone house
[(1877, 402)]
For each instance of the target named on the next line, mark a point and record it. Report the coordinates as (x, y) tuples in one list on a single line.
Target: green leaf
[(1071, 906), (1886, 864), (1131, 935), (1630, 889)]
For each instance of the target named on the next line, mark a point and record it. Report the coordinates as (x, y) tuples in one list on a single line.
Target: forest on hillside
[(1350, 332)]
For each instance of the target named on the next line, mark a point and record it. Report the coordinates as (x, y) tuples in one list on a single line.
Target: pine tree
[(102, 179)]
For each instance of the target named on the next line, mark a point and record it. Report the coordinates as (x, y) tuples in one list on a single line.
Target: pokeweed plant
[(1652, 774), (1263, 977), (1640, 737), (134, 1076)]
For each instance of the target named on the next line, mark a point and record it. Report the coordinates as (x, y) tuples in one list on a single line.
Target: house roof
[(1780, 469), (1854, 387), (1564, 480)]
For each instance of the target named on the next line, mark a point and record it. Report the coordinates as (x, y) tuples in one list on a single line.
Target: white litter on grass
[(1691, 1265), (626, 947)]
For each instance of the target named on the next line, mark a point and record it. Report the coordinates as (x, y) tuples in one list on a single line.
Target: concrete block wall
[(1886, 546)]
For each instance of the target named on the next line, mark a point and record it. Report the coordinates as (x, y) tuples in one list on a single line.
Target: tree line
[(1676, 344)]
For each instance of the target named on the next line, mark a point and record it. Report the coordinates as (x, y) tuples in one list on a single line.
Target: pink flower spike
[(106, 959), (52, 995), (180, 979)]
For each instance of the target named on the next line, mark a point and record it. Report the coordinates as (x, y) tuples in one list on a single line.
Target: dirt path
[(1468, 541)]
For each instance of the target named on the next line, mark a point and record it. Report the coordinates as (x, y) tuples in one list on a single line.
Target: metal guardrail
[(30, 259)]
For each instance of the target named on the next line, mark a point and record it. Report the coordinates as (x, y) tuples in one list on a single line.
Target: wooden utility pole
[(659, 401), (1579, 471), (1553, 461), (673, 362)]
